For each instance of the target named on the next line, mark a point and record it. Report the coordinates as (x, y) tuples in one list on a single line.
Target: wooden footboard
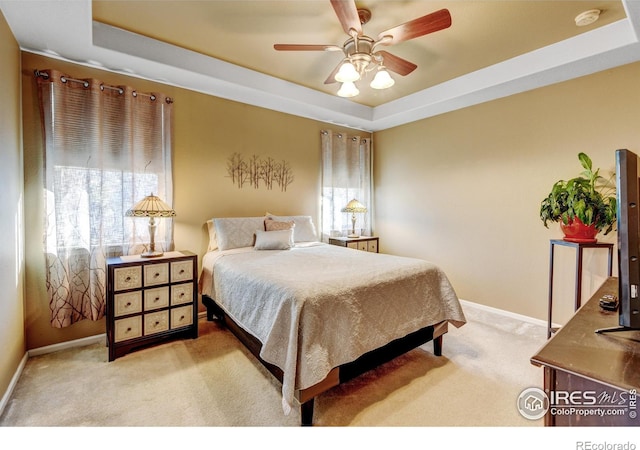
[(339, 374)]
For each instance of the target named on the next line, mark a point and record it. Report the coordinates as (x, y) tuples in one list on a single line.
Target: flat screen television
[(628, 212)]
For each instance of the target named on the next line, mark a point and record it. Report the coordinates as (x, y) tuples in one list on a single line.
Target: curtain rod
[(353, 138), (103, 86)]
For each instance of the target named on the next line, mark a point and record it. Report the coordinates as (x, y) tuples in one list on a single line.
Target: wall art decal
[(257, 171)]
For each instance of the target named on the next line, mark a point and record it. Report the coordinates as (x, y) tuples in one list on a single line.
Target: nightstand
[(366, 243), (150, 300)]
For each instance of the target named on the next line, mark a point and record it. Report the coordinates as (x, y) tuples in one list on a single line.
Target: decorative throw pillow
[(274, 225), (304, 230), (274, 240)]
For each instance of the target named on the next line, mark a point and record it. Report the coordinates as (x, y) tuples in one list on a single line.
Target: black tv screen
[(628, 211)]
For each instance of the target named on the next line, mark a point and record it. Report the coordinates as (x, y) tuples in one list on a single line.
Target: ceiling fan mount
[(364, 15), (360, 51)]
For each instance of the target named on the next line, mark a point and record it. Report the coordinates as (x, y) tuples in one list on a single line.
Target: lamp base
[(151, 254), (353, 235)]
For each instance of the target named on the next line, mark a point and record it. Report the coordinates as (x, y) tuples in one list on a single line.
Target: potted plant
[(584, 206)]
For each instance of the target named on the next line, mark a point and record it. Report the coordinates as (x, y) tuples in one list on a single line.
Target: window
[(106, 148), (346, 175)]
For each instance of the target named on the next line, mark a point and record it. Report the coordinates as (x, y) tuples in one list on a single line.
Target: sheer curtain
[(346, 175), (106, 148)]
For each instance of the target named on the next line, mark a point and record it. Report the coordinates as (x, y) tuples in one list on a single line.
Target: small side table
[(579, 247), (366, 243)]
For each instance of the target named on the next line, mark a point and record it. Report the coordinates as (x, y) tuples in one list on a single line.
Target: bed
[(315, 314)]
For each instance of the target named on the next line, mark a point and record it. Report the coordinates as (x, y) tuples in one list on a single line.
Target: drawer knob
[(128, 329), (181, 294), (181, 271), (156, 275), (128, 304), (181, 317), (127, 279), (156, 299), (157, 323)]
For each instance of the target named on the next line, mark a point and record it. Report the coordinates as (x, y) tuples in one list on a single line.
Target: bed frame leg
[(213, 310), (437, 346), (306, 413)]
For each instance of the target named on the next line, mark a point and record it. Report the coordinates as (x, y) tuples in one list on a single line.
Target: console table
[(592, 370), (579, 248)]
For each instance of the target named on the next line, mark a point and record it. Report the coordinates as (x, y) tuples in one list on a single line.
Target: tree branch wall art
[(257, 171)]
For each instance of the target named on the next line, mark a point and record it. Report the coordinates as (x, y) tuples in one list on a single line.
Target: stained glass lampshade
[(353, 207), (151, 206)]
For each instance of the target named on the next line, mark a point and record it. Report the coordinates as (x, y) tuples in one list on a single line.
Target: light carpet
[(215, 381)]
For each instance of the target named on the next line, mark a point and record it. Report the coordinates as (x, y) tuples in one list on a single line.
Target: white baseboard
[(12, 384), (69, 344), (502, 312)]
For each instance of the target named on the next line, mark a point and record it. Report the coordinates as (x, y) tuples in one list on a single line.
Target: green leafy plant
[(589, 197)]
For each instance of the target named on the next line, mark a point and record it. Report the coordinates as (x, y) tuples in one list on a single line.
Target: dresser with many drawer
[(150, 300)]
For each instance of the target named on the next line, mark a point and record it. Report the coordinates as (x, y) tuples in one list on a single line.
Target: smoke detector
[(587, 17)]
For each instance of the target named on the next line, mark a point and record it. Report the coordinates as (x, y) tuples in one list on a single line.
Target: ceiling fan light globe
[(382, 80), (347, 73), (348, 89)]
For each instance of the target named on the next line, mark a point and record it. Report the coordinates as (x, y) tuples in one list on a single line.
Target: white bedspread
[(318, 306)]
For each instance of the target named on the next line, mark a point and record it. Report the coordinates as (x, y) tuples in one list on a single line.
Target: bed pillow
[(236, 232), (213, 242), (274, 240), (304, 230)]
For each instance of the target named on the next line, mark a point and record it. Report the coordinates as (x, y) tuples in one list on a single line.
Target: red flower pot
[(576, 231)]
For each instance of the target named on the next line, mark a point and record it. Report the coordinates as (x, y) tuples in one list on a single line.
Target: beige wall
[(207, 131), (463, 189), (12, 335)]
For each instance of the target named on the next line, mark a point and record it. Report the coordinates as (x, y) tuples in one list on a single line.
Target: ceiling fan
[(361, 51)]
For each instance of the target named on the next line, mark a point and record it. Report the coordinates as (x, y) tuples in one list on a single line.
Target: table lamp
[(151, 206), (353, 207)]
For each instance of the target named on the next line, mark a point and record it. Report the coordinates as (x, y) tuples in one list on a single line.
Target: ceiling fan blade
[(396, 64), (347, 13), (332, 78), (430, 23), (307, 47)]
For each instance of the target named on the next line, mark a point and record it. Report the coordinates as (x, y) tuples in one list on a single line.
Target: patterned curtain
[(346, 175), (106, 148)]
